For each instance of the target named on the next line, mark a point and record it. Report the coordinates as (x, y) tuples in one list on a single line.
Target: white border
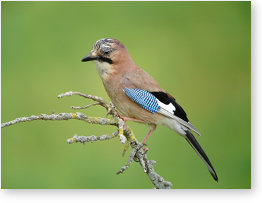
[(178, 196)]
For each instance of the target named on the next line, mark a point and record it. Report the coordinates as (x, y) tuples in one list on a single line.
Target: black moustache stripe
[(104, 59)]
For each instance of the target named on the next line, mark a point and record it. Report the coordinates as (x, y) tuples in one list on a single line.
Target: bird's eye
[(106, 50)]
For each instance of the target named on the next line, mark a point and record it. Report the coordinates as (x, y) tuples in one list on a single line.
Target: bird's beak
[(89, 57)]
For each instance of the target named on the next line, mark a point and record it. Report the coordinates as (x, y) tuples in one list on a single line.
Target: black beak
[(89, 58)]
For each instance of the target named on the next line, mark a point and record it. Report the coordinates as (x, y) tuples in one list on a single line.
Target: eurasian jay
[(138, 96)]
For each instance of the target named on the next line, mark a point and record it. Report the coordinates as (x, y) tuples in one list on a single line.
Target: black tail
[(196, 146)]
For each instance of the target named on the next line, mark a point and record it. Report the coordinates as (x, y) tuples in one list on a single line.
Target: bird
[(138, 97)]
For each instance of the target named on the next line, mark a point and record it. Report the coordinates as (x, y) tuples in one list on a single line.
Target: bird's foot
[(145, 148)]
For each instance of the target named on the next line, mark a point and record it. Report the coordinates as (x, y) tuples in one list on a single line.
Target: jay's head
[(106, 50)]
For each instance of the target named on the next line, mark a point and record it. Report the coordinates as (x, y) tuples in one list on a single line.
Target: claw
[(136, 159)]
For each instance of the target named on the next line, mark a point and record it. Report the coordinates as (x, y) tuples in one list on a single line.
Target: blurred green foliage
[(200, 52)]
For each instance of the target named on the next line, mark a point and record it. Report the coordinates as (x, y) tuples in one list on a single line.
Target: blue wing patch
[(143, 98)]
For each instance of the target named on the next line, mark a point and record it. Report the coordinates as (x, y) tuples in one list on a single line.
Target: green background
[(199, 52)]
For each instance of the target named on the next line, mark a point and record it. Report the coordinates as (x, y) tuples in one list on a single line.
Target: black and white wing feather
[(170, 108)]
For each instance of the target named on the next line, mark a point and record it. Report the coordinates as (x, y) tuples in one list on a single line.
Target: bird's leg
[(125, 118), (152, 129)]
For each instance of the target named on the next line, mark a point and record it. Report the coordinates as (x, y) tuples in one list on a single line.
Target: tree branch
[(126, 135), (84, 107), (65, 116)]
